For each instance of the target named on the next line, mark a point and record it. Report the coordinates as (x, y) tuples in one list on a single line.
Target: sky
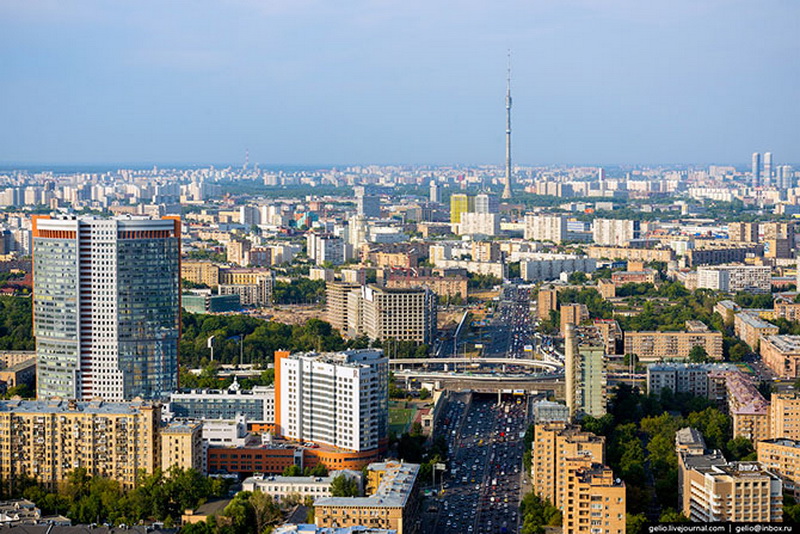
[(321, 82)]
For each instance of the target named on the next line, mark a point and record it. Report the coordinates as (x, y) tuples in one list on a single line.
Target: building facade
[(106, 307), (336, 399)]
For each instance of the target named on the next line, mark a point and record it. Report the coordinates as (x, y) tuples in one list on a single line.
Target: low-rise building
[(257, 404), (280, 487), (182, 447), (784, 309), (646, 276), (394, 504), (22, 373), (205, 302)]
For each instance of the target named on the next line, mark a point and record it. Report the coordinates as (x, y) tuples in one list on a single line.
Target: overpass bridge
[(401, 364), (482, 383)]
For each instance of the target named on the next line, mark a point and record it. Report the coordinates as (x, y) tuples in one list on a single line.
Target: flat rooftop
[(393, 491)]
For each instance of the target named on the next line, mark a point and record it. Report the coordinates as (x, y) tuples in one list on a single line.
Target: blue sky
[(411, 81)]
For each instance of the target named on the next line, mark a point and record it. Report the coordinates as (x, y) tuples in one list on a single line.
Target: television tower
[(507, 188)]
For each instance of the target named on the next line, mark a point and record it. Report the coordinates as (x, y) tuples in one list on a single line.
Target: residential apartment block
[(781, 354), (653, 346), (45, 440), (337, 399), (551, 228), (393, 502), (735, 278), (784, 416), (585, 371), (750, 328), (782, 457)]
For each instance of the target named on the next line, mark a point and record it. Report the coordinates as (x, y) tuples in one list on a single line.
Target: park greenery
[(16, 324), (640, 442), (298, 291), (156, 497), (537, 513)]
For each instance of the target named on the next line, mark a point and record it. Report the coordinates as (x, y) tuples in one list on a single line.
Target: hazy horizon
[(373, 83)]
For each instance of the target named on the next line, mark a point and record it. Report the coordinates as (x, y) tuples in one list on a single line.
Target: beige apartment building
[(713, 489), (182, 446), (784, 416), (45, 440), (607, 288), (594, 501), (785, 309), (576, 314), (750, 328), (748, 409), (781, 354), (553, 445), (200, 272), (653, 346), (336, 303), (547, 301), (782, 457), (392, 504), (716, 490)]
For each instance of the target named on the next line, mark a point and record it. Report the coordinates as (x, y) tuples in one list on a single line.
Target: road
[(482, 490)]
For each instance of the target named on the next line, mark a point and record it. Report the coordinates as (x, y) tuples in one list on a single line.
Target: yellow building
[(782, 457), (555, 444), (781, 354), (594, 501), (784, 416), (750, 328), (182, 446), (45, 440), (607, 288), (576, 314), (200, 272), (653, 346), (392, 504), (460, 203)]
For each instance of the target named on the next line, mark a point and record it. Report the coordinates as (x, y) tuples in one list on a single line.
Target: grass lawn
[(400, 418)]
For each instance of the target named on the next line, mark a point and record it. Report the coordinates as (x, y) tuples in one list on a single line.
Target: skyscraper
[(766, 175), (367, 205), (106, 306), (756, 169), (434, 193), (507, 184)]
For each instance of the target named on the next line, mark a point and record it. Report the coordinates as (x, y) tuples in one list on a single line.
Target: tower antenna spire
[(507, 182)]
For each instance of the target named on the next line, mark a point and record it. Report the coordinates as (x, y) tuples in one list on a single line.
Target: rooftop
[(393, 492), (753, 321), (58, 406), (784, 343)]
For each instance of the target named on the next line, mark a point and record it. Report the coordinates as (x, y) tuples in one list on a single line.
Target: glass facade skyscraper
[(106, 307)]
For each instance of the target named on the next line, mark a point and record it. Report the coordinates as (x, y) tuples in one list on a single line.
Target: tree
[(577, 278), (634, 523), (698, 354), (670, 515), (424, 394), (292, 471), (740, 448), (318, 470), (343, 486), (265, 510)]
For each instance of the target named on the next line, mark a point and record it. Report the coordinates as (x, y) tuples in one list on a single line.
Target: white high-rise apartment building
[(546, 228), (733, 278), (615, 232), (337, 399), (106, 307), (325, 247), (485, 224), (486, 203)]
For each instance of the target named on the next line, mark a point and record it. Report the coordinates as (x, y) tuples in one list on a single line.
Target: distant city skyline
[(365, 82)]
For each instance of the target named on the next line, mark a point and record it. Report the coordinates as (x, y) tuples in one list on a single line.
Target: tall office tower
[(434, 196), (785, 178), (486, 203), (507, 182), (106, 306), (756, 169), (585, 371), (766, 174), (460, 203), (337, 399), (367, 205)]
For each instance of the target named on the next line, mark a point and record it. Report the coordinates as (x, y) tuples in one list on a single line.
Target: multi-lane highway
[(482, 490)]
